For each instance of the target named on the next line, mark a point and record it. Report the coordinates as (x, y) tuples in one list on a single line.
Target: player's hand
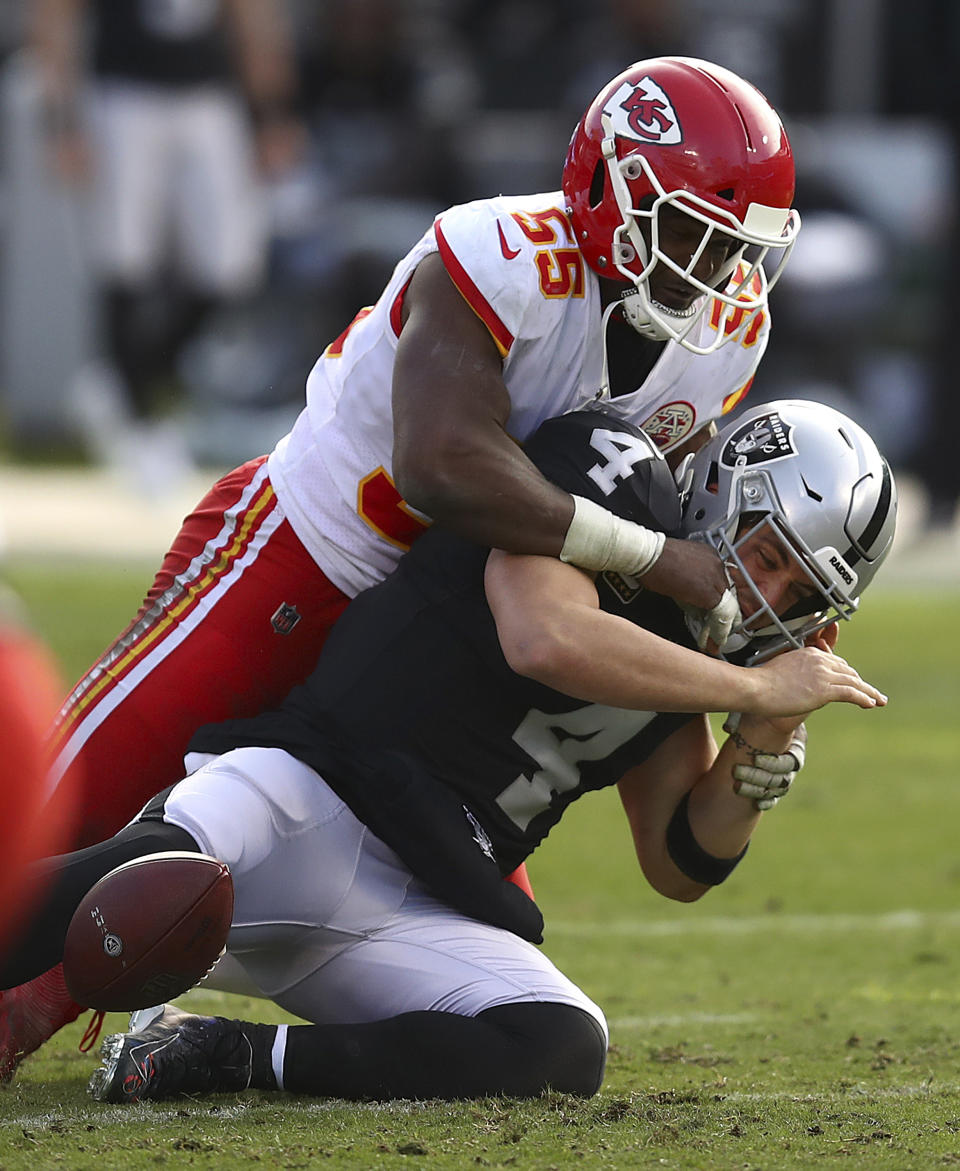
[(825, 639), (771, 774), (692, 573), (801, 681)]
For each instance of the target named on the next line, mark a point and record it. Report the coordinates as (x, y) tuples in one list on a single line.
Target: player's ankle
[(263, 1041)]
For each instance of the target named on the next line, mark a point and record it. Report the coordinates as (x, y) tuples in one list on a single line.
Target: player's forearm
[(487, 491), (722, 820), (708, 832), (600, 658)]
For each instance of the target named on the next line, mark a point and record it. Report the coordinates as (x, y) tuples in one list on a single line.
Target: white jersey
[(516, 263)]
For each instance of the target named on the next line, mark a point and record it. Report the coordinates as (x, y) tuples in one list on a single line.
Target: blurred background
[(364, 118)]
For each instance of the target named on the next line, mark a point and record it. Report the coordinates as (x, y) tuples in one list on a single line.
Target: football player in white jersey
[(641, 283)]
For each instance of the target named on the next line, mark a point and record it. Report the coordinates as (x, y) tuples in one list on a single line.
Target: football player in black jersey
[(456, 712), (169, 116)]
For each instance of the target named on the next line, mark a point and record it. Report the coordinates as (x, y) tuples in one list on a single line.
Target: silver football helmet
[(817, 479)]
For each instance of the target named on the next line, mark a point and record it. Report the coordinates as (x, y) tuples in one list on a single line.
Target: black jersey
[(414, 717), (160, 42)]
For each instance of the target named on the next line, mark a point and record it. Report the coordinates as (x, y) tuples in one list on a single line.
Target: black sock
[(262, 1039), (515, 1049)]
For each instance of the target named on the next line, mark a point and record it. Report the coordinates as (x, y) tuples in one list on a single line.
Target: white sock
[(278, 1053)]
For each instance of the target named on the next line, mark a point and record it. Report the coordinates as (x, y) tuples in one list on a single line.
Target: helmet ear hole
[(598, 184)]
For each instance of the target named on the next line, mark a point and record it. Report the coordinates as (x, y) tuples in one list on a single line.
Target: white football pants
[(176, 168), (328, 921)]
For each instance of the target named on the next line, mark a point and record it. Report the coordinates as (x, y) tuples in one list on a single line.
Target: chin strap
[(604, 391), (636, 315), (633, 313)]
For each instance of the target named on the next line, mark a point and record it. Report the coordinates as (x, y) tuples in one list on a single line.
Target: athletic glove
[(770, 776), (716, 623)]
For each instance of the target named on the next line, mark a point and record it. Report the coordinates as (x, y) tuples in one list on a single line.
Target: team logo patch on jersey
[(480, 835), (671, 423), (760, 441), (626, 588), (285, 618), (644, 113)]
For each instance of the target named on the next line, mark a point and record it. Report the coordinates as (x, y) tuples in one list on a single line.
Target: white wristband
[(598, 539)]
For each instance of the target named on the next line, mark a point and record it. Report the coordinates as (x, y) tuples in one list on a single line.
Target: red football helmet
[(682, 133)]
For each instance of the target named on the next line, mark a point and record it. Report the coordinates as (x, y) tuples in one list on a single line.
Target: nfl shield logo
[(285, 618)]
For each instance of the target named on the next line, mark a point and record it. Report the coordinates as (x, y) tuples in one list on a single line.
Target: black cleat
[(170, 1052)]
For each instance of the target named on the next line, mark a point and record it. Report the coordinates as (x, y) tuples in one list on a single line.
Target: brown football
[(148, 931)]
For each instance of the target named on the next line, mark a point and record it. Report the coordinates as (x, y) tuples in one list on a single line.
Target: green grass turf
[(806, 1014)]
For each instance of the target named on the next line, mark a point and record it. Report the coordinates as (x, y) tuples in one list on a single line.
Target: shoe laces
[(92, 1031)]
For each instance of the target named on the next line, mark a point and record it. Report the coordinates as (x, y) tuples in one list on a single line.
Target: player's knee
[(582, 1060), (558, 1047)]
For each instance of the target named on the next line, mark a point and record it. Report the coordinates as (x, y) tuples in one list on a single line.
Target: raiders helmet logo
[(644, 113), (761, 440)]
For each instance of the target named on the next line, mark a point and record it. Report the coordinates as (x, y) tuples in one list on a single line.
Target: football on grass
[(148, 931)]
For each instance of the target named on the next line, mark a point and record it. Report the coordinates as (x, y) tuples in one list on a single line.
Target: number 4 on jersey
[(622, 453), (560, 742)]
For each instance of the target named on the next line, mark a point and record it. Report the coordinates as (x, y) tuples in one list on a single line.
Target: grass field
[(807, 1014)]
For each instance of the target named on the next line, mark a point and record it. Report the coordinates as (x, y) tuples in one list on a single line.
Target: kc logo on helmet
[(645, 113)]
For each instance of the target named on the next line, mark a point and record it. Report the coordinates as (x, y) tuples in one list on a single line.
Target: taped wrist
[(690, 857), (598, 539)]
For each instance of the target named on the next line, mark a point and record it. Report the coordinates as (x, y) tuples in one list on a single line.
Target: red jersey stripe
[(396, 310), (737, 396)]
